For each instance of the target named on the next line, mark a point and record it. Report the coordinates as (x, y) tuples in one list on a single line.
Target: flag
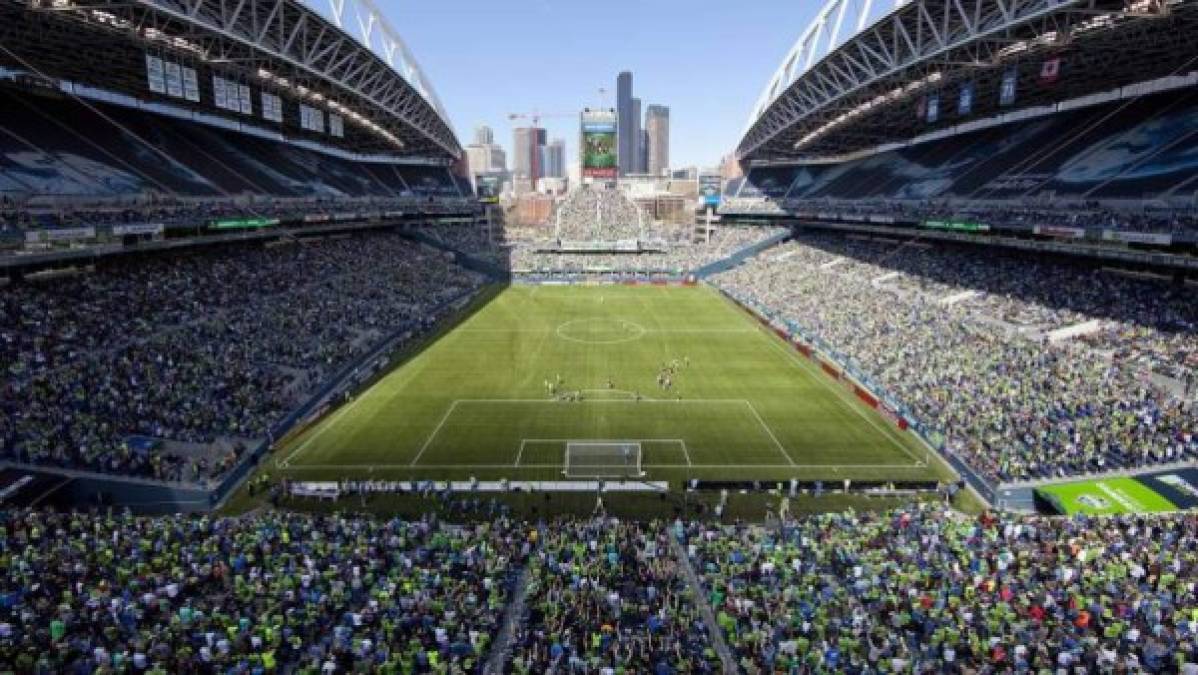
[(1006, 95), (1050, 70), (965, 100)]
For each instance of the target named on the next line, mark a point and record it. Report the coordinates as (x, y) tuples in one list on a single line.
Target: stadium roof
[(283, 46), (875, 87)]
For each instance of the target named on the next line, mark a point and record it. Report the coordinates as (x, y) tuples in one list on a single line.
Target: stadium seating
[(608, 595), (1051, 170), (681, 254), (588, 214), (52, 147), (273, 592), (203, 348), (918, 589), (1124, 149), (1025, 368), (925, 590)]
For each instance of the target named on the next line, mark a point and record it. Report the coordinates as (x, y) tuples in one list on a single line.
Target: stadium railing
[(740, 256), (347, 379), (930, 437)]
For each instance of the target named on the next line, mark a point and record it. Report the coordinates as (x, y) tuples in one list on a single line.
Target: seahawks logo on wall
[(1093, 502)]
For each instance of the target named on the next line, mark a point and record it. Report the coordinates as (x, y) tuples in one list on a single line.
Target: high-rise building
[(644, 161), (498, 157), (553, 159), (638, 135), (484, 156), (526, 147), (625, 121), (477, 158), (657, 131)]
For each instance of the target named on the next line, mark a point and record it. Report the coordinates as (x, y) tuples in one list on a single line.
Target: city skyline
[(490, 60), (643, 133)]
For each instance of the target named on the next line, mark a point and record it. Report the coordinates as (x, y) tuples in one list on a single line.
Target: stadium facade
[(1050, 128)]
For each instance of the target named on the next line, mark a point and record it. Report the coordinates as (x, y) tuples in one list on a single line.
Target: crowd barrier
[(738, 257), (831, 362)]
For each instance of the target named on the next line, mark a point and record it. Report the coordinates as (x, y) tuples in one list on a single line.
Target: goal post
[(603, 459)]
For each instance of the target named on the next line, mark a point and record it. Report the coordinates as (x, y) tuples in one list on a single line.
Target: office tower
[(643, 162), (484, 156), (625, 139), (657, 131), (498, 158), (478, 159), (553, 159), (526, 146), (638, 143)]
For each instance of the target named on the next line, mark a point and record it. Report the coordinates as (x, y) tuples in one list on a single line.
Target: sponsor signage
[(138, 228), (61, 234), (956, 226), (243, 223), (1138, 237), (1059, 232)]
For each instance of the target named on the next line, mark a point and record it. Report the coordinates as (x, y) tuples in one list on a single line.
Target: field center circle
[(600, 331)]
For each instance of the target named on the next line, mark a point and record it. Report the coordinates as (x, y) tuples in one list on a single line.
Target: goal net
[(606, 459)]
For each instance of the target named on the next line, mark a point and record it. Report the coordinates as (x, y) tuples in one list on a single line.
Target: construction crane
[(535, 117)]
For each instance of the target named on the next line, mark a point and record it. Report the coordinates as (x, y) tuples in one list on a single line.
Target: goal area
[(603, 459)]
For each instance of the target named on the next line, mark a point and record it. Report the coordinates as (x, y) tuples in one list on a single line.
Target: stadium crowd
[(200, 346), (272, 592), (1005, 214), (678, 254), (1027, 369), (17, 217), (918, 589), (926, 590), (592, 214), (607, 596)]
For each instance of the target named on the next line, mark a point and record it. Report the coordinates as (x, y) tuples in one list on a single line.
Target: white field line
[(534, 441), (722, 467), (840, 393), (319, 431), (625, 401), (428, 441), (771, 433), (646, 330)]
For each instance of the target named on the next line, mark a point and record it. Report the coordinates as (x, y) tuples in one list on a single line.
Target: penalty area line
[(429, 441), (769, 431), (318, 432), (803, 364), (714, 467)]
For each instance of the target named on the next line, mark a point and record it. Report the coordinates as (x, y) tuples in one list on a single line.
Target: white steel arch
[(821, 36), (370, 26)]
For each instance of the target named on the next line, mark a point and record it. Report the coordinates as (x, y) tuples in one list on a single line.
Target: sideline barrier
[(151, 496), (831, 362)]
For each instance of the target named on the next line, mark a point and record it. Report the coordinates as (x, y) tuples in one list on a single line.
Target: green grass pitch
[(743, 404)]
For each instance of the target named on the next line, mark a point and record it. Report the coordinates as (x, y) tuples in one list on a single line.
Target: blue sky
[(708, 61)]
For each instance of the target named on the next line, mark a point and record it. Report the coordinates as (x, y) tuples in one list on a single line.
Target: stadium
[(916, 391)]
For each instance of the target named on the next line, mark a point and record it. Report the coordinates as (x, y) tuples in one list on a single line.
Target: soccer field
[(475, 402)]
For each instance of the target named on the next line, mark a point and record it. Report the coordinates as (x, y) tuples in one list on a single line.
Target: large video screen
[(709, 189), (489, 186), (599, 145)]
